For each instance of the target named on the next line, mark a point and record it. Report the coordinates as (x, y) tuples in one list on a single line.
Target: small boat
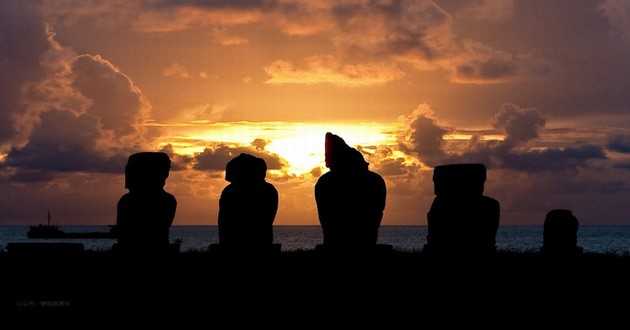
[(51, 231)]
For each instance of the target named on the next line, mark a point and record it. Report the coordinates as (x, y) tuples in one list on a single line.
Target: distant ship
[(51, 231)]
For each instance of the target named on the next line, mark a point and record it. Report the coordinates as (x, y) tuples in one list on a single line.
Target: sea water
[(596, 239)]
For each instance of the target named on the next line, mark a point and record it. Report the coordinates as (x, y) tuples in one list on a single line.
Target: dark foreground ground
[(310, 286)]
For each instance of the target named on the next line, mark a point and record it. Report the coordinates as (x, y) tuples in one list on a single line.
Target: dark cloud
[(619, 143), (595, 67), (115, 100), (424, 138), (178, 162), (391, 167), (82, 115), (30, 176), (246, 4), (419, 32), (382, 160), (96, 135), (519, 124), (23, 40), (623, 166), (414, 29), (64, 142), (215, 159), (552, 159), (492, 69), (423, 33), (478, 63)]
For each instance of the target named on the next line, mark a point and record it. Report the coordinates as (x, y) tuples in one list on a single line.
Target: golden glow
[(303, 145), (300, 144), (327, 69), (485, 137)]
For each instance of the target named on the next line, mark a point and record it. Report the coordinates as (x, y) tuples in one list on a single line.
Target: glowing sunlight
[(300, 144)]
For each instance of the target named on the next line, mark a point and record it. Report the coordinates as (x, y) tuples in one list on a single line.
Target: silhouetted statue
[(560, 233), (350, 198), (248, 205), (461, 219), (145, 214)]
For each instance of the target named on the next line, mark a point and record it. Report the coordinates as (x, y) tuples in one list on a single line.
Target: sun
[(303, 151), (303, 145), (300, 144)]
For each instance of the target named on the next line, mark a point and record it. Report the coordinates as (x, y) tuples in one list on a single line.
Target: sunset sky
[(538, 90)]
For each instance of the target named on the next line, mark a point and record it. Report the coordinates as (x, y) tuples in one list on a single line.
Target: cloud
[(519, 124), (327, 69), (618, 14), (215, 4), (303, 18), (100, 13), (230, 40), (382, 32), (95, 134), (417, 28), (179, 71), (424, 138), (173, 19), (260, 144), (215, 159), (392, 167), (64, 142), (155, 16), (422, 33), (176, 70), (419, 32), (383, 160), (619, 143), (203, 112), (24, 42), (178, 162), (478, 63), (481, 10), (118, 103), (316, 172), (493, 9), (552, 159), (78, 113)]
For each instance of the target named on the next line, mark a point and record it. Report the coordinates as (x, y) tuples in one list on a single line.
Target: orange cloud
[(176, 70), (183, 18), (230, 40), (206, 112), (303, 18), (417, 32), (179, 71), (327, 69)]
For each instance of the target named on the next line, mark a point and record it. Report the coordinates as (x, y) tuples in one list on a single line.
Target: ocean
[(595, 239)]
